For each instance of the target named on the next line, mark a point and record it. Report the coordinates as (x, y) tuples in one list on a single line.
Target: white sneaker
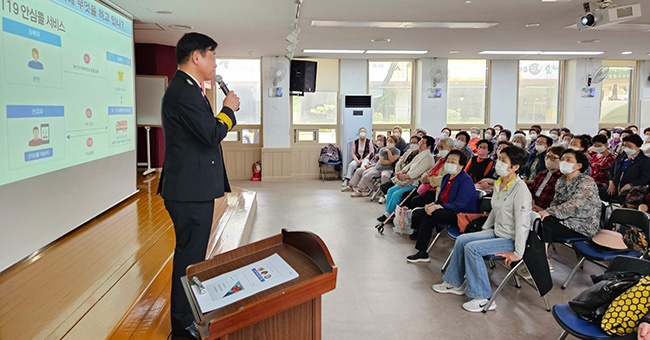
[(448, 288), (382, 200), (476, 305), (345, 182)]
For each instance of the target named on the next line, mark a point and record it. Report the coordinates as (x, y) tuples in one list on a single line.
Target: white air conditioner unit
[(608, 16), (356, 113)]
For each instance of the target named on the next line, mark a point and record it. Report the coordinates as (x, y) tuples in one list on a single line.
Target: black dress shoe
[(382, 218), (181, 334)]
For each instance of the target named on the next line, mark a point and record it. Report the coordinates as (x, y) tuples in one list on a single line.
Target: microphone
[(219, 80)]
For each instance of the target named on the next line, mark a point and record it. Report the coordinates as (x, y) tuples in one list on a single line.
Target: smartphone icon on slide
[(45, 133)]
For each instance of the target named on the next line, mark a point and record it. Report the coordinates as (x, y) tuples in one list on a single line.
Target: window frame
[(485, 124), (560, 101), (635, 87), (381, 126)]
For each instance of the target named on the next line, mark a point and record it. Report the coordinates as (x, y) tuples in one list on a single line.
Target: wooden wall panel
[(239, 160)]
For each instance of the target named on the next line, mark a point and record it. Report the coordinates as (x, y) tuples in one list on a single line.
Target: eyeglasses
[(551, 157)]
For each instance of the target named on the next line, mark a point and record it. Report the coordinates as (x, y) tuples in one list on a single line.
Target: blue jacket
[(463, 196)]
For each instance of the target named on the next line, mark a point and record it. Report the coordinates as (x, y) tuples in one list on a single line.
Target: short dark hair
[(191, 42), (536, 127), (416, 137), (431, 142), (646, 130), (548, 139), (556, 150), (499, 125), (489, 144), (580, 157), (607, 132), (463, 133), (446, 128), (628, 131), (599, 139), (633, 126), (585, 141), (516, 155), (493, 132), (520, 132), (565, 129), (634, 139), (506, 142), (554, 129), (462, 159), (507, 132)]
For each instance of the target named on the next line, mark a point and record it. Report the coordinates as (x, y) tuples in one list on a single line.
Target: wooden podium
[(291, 310)]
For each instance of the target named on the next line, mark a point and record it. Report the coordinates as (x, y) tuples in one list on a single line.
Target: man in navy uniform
[(194, 174)]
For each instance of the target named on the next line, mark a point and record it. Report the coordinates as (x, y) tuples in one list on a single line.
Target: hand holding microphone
[(231, 100)]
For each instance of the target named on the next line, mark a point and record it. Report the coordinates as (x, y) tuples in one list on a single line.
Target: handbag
[(623, 314), (464, 219), (402, 220), (592, 303)]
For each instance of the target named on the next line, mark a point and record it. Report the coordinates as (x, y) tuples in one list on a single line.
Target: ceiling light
[(180, 27), (454, 52), (468, 1), (532, 25), (401, 24), (395, 52), (164, 12), (510, 52), (571, 53), (590, 41), (380, 40), (627, 52), (332, 51)]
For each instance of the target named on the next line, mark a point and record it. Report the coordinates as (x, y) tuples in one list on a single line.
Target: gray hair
[(447, 141)]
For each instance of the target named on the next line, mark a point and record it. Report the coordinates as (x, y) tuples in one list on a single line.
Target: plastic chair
[(628, 218), (513, 270), (583, 329), (322, 175)]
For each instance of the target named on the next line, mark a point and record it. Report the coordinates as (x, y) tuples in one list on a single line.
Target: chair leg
[(516, 279), (501, 285), (446, 264), (548, 307), (563, 335), (375, 193), (492, 264), (573, 273), (434, 241)]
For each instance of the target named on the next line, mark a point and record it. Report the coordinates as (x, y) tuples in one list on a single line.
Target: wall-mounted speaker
[(303, 76)]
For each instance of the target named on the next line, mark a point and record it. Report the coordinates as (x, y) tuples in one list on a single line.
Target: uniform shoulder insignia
[(189, 81)]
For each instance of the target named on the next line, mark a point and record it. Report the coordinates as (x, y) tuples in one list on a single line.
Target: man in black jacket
[(631, 169), (193, 172)]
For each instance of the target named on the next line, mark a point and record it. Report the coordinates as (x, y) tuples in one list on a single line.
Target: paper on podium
[(243, 282)]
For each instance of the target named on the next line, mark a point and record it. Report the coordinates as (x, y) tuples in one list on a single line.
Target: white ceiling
[(254, 28)]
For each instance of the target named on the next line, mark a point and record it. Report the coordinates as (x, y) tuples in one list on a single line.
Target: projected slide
[(66, 85)]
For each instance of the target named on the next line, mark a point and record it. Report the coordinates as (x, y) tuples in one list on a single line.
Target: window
[(323, 136), (615, 108), (318, 108), (391, 84), (244, 77), (466, 91), (539, 92)]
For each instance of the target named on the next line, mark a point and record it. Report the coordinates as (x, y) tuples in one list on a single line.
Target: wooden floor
[(82, 285)]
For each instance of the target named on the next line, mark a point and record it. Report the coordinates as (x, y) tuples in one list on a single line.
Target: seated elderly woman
[(462, 138), (457, 195), (481, 165), (631, 168), (575, 209), (601, 160), (363, 177), (543, 186), (407, 157), (504, 234), (362, 152), (519, 139), (405, 178)]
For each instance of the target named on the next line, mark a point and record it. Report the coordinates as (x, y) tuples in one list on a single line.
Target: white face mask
[(444, 135), (503, 138), (540, 148), (565, 143), (616, 135), (489, 136), (380, 144), (414, 146), (362, 135), (501, 169), (554, 136), (566, 167), (533, 136), (629, 151), (497, 131), (600, 149), (647, 138), (573, 147), (459, 144), (451, 169), (516, 144), (390, 145), (474, 135), (443, 153)]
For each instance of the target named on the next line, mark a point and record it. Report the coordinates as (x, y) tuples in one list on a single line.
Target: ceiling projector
[(604, 17)]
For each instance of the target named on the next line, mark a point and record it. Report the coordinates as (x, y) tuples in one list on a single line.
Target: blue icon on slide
[(35, 64)]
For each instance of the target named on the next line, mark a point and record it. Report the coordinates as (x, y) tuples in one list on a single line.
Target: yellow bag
[(623, 314)]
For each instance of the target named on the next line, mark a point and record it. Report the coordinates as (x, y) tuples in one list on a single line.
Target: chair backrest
[(629, 263), (629, 218), (486, 205)]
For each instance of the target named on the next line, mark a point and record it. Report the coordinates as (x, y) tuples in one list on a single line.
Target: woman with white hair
[(519, 140)]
